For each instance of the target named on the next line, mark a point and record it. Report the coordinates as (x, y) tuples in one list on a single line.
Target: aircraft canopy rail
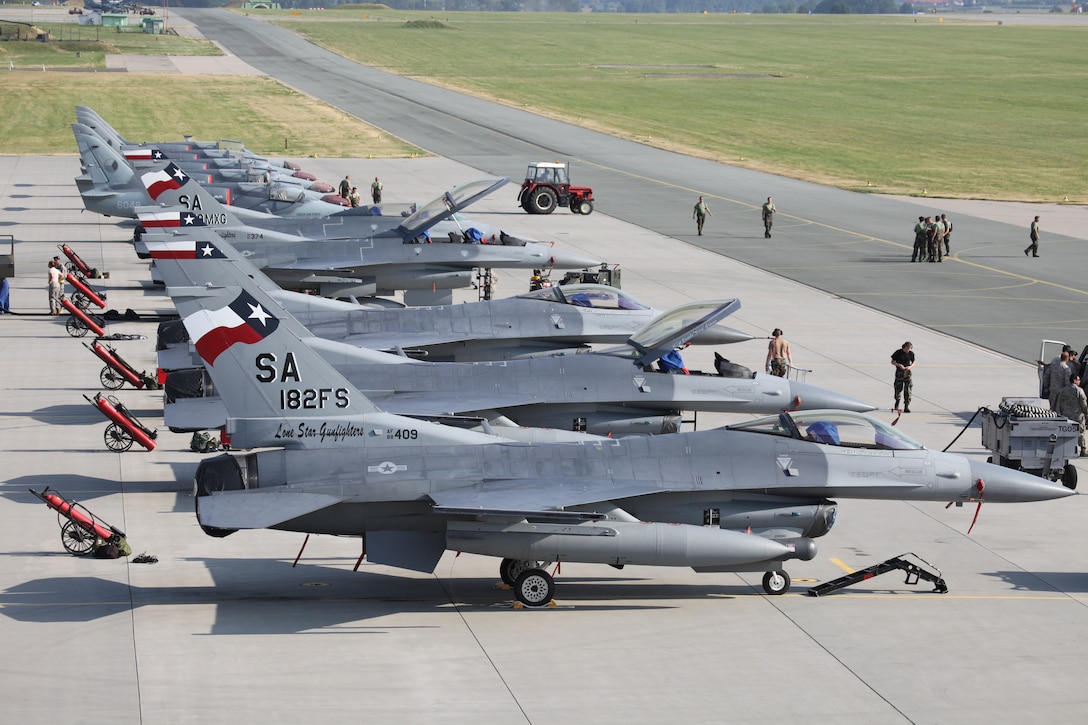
[(833, 427)]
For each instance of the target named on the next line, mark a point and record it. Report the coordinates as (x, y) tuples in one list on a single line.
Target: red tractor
[(547, 186)]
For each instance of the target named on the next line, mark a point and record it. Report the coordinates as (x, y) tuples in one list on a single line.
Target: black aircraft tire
[(76, 539), (776, 583), (511, 569), (534, 588), (1069, 476)]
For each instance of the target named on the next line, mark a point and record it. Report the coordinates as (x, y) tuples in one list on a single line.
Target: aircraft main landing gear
[(511, 569), (534, 588)]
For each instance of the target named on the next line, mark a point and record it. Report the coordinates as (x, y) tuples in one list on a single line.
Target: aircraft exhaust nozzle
[(1008, 485), (816, 398)]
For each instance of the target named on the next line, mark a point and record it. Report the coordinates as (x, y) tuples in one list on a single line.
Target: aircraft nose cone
[(566, 259), (813, 398), (1007, 485), (720, 335)]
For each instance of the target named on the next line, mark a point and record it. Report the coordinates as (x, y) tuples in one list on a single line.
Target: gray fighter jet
[(437, 221), (613, 392), (110, 186), (368, 256), (743, 498), (564, 320)]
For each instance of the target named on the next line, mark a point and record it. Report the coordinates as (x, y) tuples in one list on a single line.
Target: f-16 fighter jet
[(616, 392), (560, 320), (748, 497)]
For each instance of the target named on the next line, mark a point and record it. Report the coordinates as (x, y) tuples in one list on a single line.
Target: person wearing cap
[(903, 360)]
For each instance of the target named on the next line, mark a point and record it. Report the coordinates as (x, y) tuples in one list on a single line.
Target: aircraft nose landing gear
[(776, 582)]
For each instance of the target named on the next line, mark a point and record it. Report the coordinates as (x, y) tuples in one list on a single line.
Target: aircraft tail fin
[(102, 164), (277, 388), (197, 258), (88, 117)]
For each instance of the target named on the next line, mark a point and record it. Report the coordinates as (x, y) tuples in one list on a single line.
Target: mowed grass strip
[(269, 117), (892, 105)]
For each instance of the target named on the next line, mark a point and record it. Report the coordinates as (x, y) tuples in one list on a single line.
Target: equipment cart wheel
[(110, 379), (534, 588), (81, 300), (117, 438), (75, 327), (76, 539), (511, 569), (776, 583), (1069, 476)]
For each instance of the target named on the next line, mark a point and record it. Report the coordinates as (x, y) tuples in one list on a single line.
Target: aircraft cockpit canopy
[(451, 201), (832, 427), (286, 193), (597, 296), (678, 326)]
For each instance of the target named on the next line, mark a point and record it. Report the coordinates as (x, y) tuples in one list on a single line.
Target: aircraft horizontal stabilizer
[(241, 510)]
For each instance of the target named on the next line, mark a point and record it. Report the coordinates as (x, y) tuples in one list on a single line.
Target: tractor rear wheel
[(543, 200)]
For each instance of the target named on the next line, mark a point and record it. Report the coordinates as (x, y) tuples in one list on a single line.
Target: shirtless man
[(778, 354)]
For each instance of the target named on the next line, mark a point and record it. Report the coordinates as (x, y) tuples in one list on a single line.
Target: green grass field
[(40, 108), (960, 107)]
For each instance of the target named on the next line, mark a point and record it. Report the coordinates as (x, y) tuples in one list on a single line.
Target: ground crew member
[(920, 232), (779, 357), (768, 217), (903, 360), (700, 213), (345, 186), (1034, 236), (376, 191), (1073, 404)]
